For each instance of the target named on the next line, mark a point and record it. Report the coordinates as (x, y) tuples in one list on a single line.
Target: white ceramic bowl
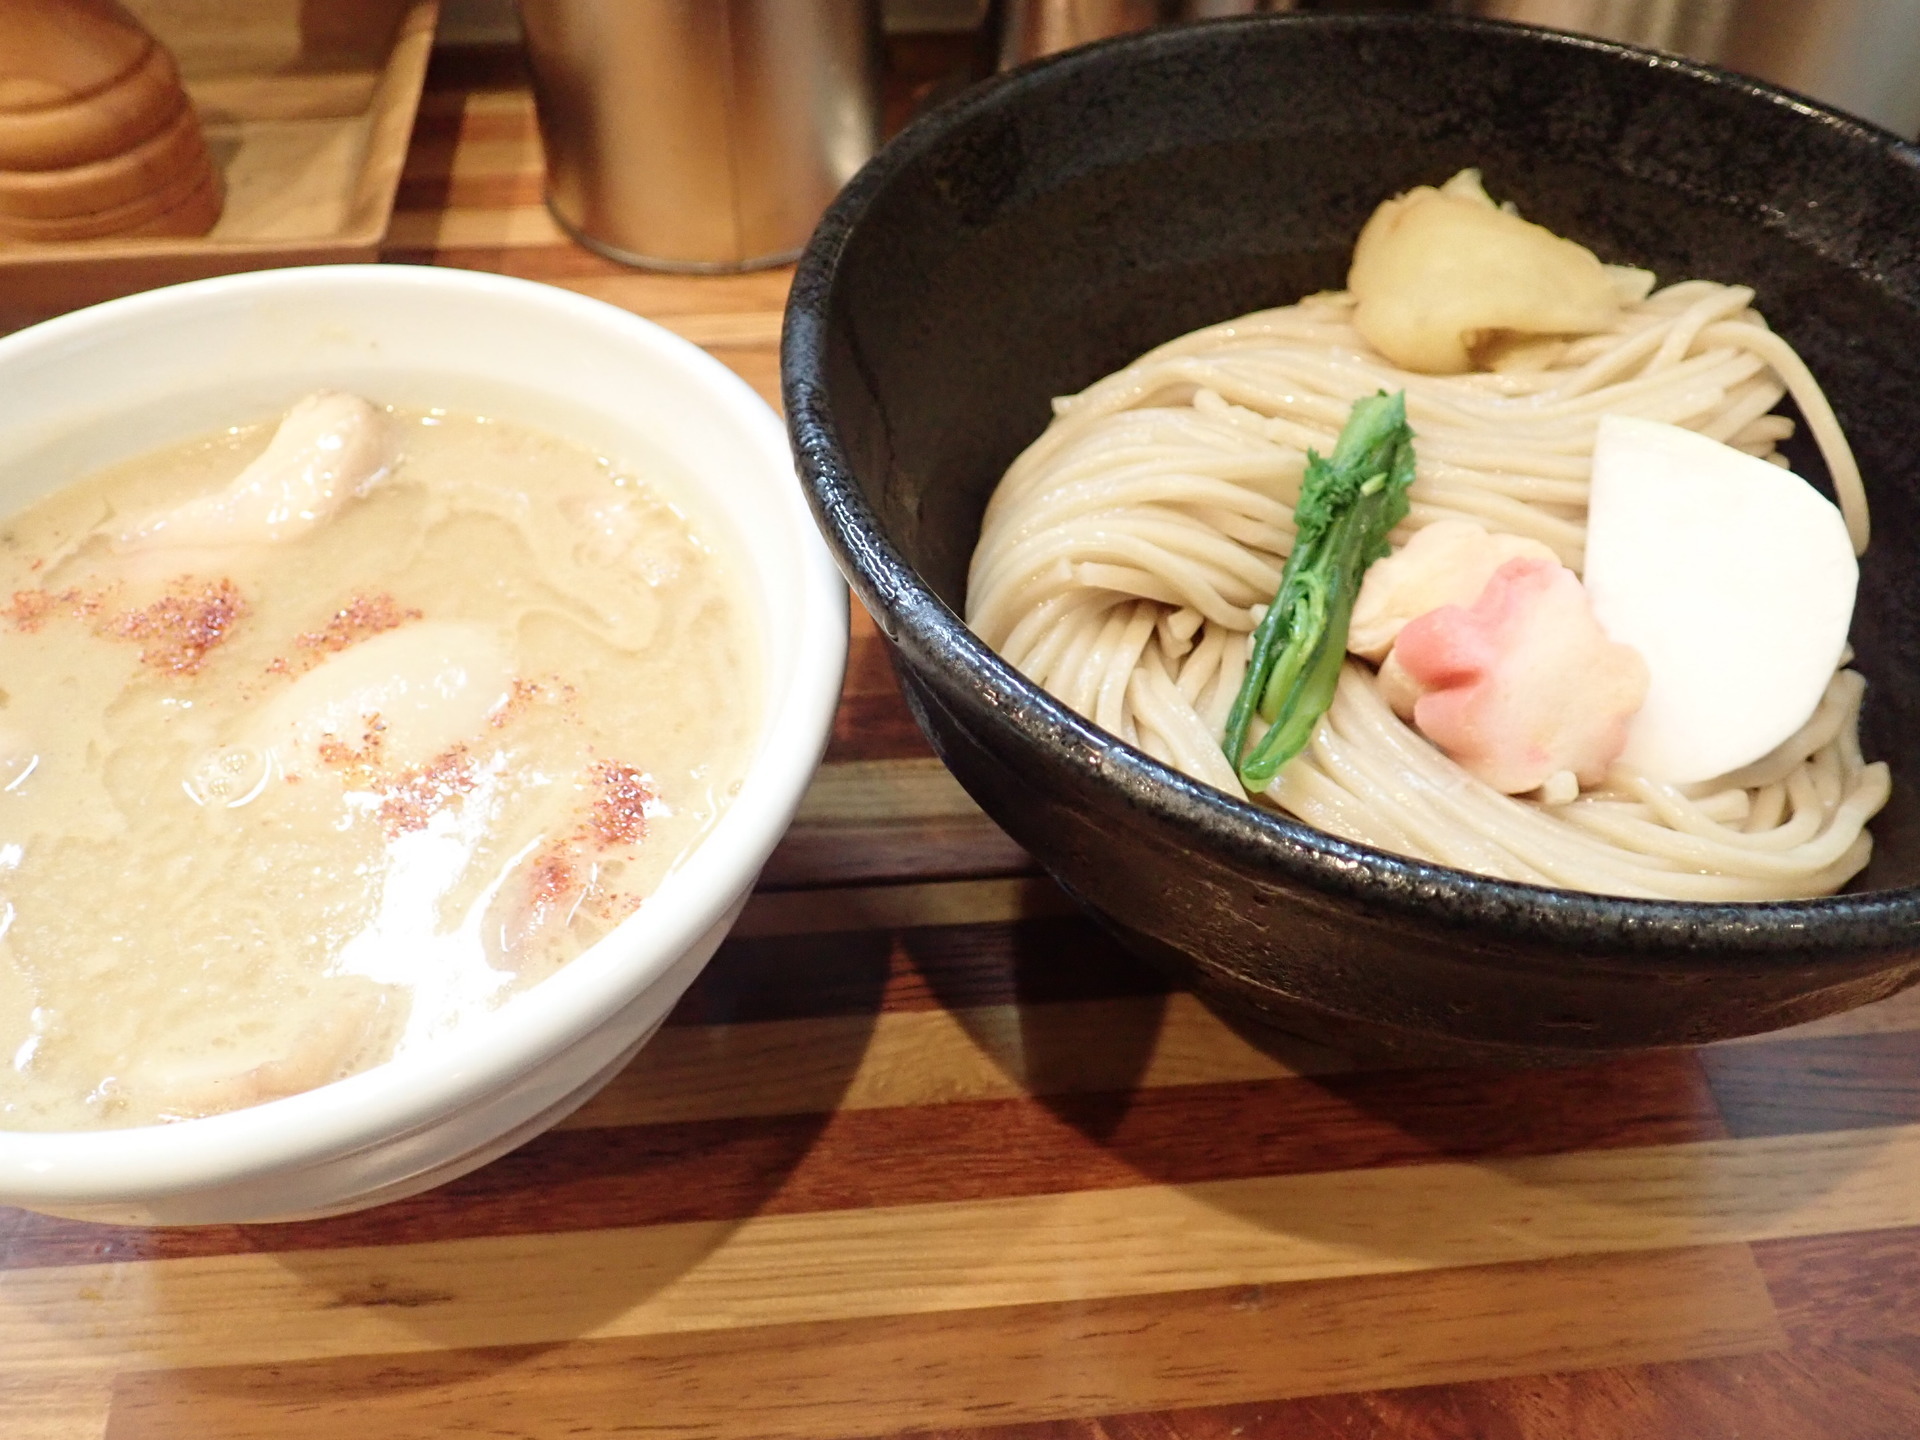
[(122, 378)]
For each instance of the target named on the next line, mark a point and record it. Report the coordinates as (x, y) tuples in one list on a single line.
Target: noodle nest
[(1129, 552)]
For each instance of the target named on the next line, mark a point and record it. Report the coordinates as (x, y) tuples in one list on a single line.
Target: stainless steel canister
[(1861, 55), (701, 134), (1032, 28)]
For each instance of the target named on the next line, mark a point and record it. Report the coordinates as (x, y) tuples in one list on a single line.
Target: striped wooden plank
[(874, 726), (74, 1405), (550, 264), (1044, 1363), (525, 224), (962, 966), (936, 1057), (1834, 1289), (849, 851), (892, 907), (477, 113), (1898, 1013), (738, 1167), (938, 849), (859, 792), (873, 722), (729, 1167), (482, 156), (1823, 1083), (468, 194), (940, 1257), (1860, 1393), (441, 154)]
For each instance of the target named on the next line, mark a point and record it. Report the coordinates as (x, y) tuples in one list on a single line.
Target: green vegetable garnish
[(1347, 507)]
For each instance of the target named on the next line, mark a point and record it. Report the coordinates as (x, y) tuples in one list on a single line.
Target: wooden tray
[(307, 108)]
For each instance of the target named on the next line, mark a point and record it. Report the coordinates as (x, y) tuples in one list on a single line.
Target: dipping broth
[(303, 770)]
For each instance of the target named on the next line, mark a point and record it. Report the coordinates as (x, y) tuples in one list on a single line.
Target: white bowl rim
[(410, 1092)]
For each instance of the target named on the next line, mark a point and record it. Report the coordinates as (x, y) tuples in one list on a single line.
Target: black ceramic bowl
[(1050, 225)]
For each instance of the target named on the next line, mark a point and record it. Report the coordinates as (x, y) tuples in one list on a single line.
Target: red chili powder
[(527, 693), (621, 796), (552, 879), (342, 756), (411, 798), (30, 609), (361, 618), (178, 630)]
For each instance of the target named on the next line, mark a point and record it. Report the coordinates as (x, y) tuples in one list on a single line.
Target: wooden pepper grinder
[(96, 134)]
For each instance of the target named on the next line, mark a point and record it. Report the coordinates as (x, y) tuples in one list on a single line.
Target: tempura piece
[(1446, 563), (1521, 686), (1438, 272)]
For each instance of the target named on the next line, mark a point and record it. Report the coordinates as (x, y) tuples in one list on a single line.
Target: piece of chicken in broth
[(329, 449)]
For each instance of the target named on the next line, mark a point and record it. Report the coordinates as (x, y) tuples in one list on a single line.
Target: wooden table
[(922, 1151)]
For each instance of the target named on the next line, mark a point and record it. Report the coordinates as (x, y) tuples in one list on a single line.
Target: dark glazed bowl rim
[(1776, 934)]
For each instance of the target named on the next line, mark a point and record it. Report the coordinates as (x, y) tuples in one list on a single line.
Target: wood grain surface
[(924, 1152)]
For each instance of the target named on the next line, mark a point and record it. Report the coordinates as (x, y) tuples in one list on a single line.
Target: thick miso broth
[(284, 797)]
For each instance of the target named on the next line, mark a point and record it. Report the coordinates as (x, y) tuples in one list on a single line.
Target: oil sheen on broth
[(309, 755)]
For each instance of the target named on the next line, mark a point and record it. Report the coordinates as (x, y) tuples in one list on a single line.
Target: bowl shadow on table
[(1058, 1009), (678, 1173), (1608, 1151)]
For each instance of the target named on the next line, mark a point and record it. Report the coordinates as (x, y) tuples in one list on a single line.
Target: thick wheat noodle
[(1129, 551), (1744, 406)]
